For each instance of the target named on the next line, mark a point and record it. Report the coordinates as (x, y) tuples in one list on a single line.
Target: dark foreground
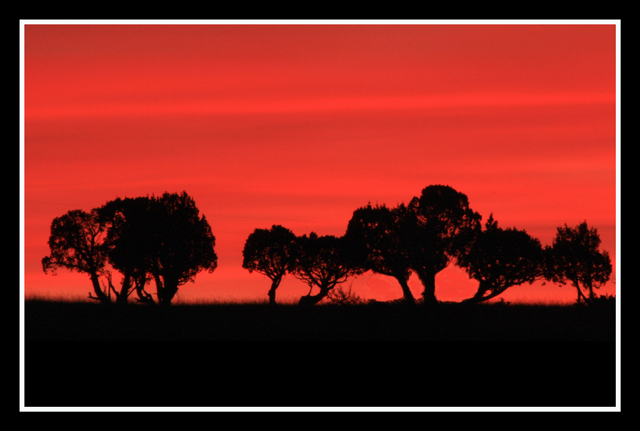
[(325, 356), (380, 321)]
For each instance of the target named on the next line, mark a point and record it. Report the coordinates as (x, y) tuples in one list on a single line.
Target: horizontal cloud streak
[(333, 104)]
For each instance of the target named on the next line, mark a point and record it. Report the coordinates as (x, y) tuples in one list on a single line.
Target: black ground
[(79, 354)]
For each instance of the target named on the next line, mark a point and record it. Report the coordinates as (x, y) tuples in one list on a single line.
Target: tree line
[(164, 239)]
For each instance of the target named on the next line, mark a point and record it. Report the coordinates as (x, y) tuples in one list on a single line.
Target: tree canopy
[(574, 256), (271, 252), (437, 227), (76, 243), (183, 246), (376, 244), (162, 238), (322, 262), (500, 258), (132, 240)]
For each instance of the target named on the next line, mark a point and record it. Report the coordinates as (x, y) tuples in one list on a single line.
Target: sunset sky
[(301, 124)]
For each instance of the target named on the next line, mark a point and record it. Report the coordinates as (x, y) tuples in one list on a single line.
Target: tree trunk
[(314, 299), (143, 296), (480, 294), (580, 294), (408, 296), (100, 295), (169, 293), (578, 299), (272, 292), (164, 293), (428, 279), (478, 297), (573, 277), (123, 296)]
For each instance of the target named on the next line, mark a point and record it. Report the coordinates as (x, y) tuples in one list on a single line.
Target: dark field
[(375, 355), (56, 320)]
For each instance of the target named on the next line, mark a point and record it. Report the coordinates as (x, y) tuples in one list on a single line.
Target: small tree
[(270, 252), (77, 243), (376, 244), (574, 257), (322, 262), (500, 258), (437, 227)]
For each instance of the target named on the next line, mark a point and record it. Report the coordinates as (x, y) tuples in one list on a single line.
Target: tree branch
[(94, 297)]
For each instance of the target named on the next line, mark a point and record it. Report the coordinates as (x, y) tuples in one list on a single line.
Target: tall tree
[(130, 242), (270, 252), (437, 227), (183, 243), (574, 256), (322, 262), (162, 238), (76, 242), (500, 258), (373, 234)]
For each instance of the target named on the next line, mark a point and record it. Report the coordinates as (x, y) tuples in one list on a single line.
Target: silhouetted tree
[(270, 252), (183, 244), (162, 238), (323, 262), (574, 256), (500, 258), (376, 244), (131, 243), (77, 243), (436, 227)]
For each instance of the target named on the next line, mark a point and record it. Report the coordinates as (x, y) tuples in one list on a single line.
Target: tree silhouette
[(183, 244), (271, 252), (376, 244), (76, 242), (574, 257), (500, 258), (437, 227), (322, 262), (131, 242), (162, 238)]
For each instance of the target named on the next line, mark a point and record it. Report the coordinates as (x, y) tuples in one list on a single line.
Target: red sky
[(299, 125)]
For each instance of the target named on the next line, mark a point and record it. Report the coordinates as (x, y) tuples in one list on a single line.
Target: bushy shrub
[(341, 296)]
